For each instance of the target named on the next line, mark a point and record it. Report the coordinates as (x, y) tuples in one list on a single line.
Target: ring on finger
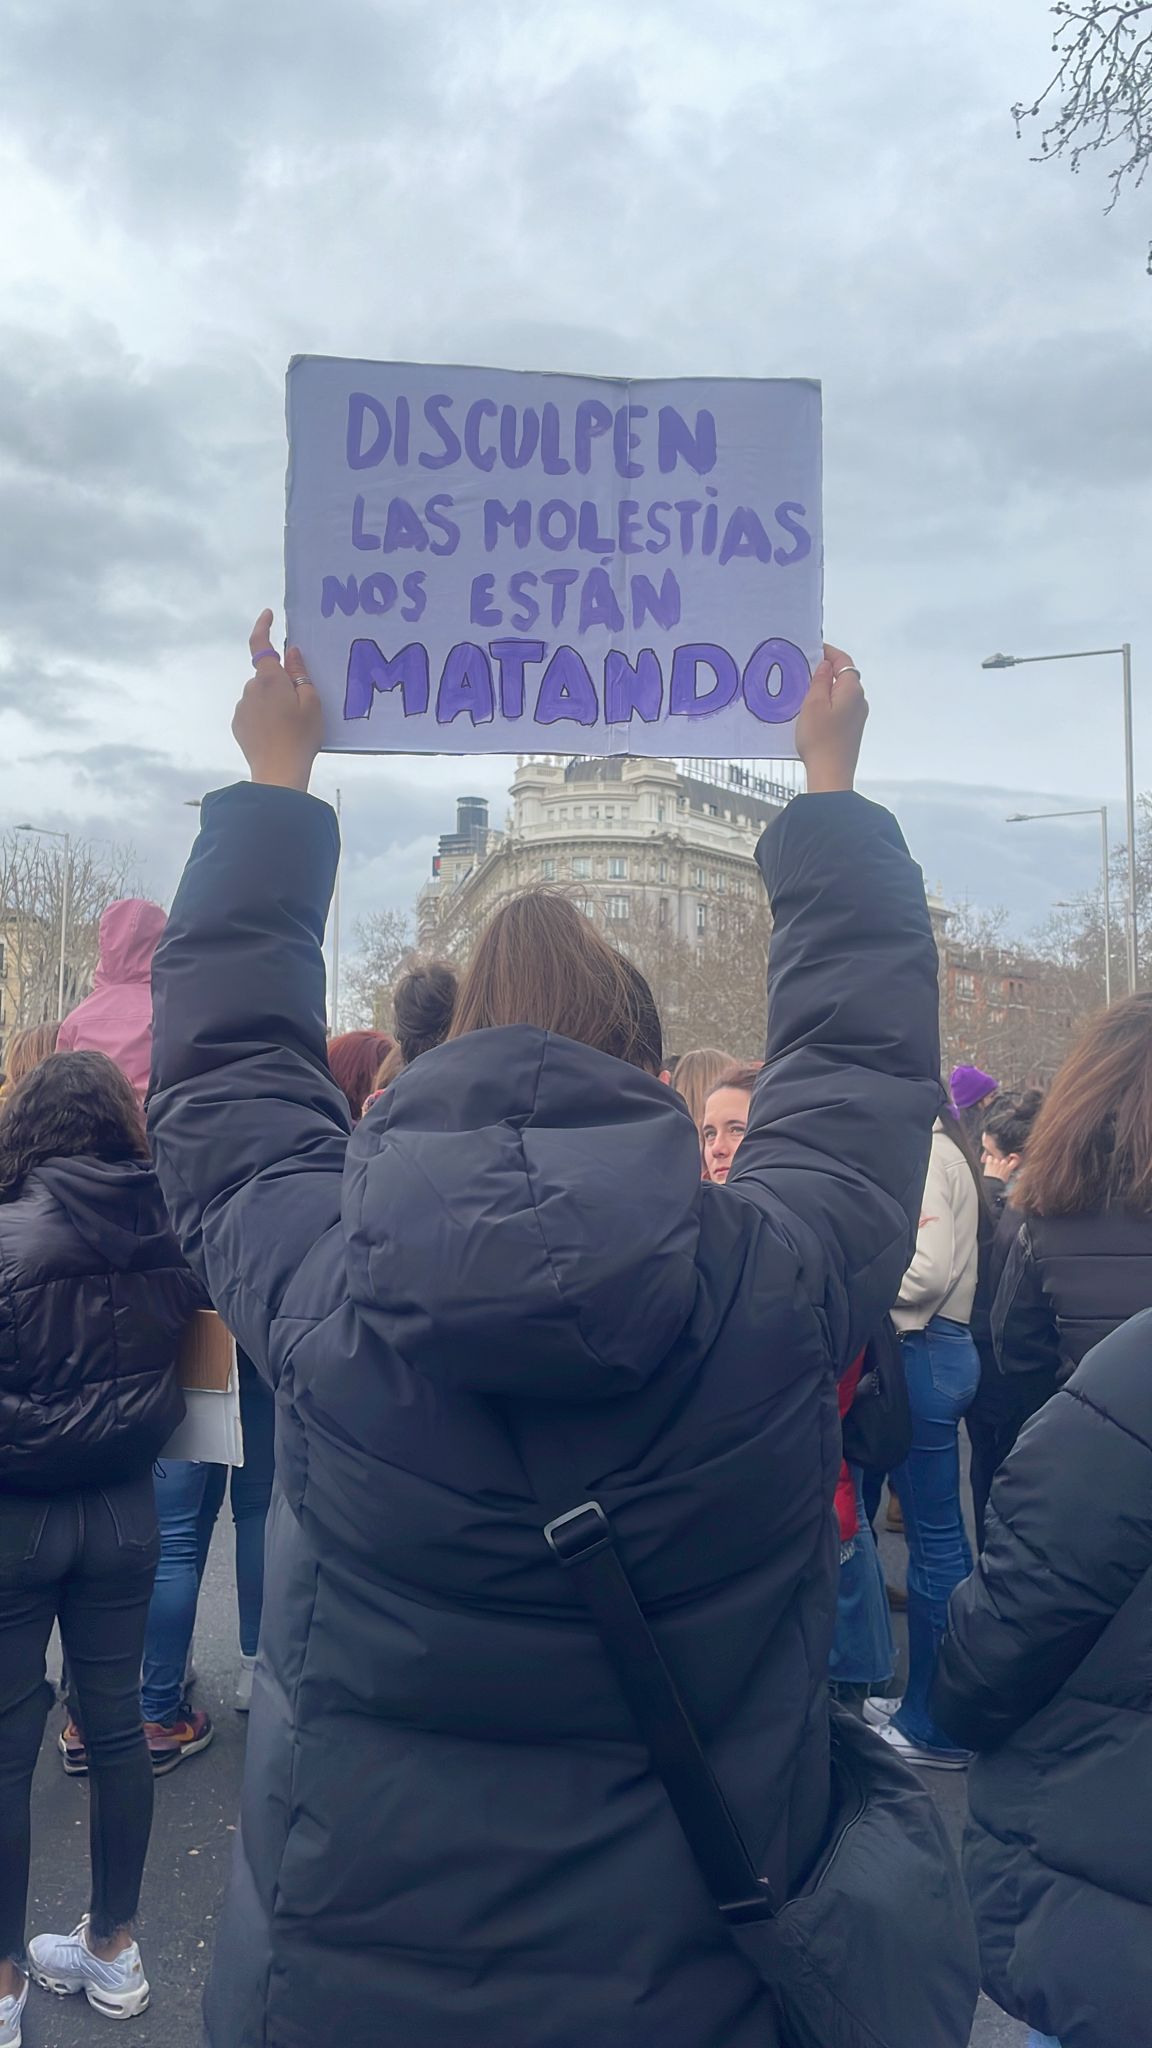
[(264, 654), (849, 669)]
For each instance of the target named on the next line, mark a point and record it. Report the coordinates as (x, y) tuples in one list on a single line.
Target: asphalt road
[(192, 1846)]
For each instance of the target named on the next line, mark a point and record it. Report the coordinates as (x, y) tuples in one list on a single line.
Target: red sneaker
[(169, 1742)]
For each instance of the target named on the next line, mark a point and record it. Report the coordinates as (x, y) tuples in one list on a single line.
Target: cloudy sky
[(192, 195)]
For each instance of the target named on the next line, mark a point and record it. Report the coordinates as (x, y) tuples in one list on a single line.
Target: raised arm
[(837, 1146), (248, 1128)]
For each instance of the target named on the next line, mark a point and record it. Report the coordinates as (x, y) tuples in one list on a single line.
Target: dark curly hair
[(73, 1103)]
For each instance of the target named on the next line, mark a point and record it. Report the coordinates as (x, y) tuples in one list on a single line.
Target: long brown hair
[(697, 1074), (953, 1127), (1091, 1145), (540, 961)]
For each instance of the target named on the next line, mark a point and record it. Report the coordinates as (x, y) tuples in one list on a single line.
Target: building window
[(585, 904), (659, 814), (582, 869), (698, 878), (663, 910), (966, 988), (551, 814), (718, 883), (618, 868), (739, 885), (711, 810), (547, 871), (662, 871), (3, 961), (701, 917), (618, 908), (594, 811)]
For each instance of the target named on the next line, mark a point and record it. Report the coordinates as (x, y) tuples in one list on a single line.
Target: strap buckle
[(580, 1533)]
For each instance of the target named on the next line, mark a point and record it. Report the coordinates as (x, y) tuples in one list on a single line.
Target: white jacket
[(941, 1281)]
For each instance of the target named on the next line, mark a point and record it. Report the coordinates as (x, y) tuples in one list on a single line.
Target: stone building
[(657, 845)]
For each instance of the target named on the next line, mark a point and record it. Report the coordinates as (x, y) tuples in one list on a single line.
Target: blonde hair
[(29, 1047), (697, 1074)]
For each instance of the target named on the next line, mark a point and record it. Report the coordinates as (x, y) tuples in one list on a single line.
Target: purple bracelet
[(265, 654)]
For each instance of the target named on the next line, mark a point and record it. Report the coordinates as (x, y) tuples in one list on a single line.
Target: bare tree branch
[(1101, 90), (384, 947), (31, 898)]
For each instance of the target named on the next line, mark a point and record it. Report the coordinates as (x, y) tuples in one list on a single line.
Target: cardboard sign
[(489, 561), (207, 1358)]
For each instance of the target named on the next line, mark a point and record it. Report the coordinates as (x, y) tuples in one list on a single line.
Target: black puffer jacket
[(1047, 1671), (449, 1835), (93, 1298), (1068, 1282)]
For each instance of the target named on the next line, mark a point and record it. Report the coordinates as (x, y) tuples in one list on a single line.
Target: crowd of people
[(512, 1274)]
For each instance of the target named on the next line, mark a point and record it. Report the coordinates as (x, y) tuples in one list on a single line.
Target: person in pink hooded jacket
[(117, 1017)]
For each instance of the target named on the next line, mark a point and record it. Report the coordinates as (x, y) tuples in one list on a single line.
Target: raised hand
[(831, 723), (279, 721)]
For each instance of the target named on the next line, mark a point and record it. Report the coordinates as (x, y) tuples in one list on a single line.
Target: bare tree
[(32, 894), (1099, 98), (383, 948), (710, 991), (1074, 934)]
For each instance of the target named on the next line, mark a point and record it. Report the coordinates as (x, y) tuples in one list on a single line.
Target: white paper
[(211, 1431), (486, 561)]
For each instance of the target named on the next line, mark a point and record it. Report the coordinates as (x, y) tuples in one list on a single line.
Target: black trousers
[(1004, 1402), (87, 1559)]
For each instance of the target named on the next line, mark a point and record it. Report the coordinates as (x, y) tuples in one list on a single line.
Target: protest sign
[(486, 561)]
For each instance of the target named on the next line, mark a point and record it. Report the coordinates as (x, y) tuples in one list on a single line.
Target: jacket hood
[(521, 1216), (115, 1205), (130, 932)]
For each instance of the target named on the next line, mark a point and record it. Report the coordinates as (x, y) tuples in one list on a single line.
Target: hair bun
[(422, 1004)]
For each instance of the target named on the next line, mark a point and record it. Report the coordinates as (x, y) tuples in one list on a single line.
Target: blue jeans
[(188, 1500), (943, 1373)]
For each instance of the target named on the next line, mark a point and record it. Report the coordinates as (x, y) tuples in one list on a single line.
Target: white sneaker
[(65, 1964), (11, 2010), (926, 1759), (244, 1685), (878, 1712)]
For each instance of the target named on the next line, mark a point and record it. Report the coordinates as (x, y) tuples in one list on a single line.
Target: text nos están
[(479, 680)]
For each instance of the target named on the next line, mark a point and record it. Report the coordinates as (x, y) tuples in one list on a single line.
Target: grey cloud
[(961, 837), (119, 490), (182, 115)]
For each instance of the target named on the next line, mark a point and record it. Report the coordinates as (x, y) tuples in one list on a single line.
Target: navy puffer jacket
[(1047, 1672), (94, 1296), (450, 1838)]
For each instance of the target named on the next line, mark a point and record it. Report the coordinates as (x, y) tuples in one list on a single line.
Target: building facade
[(642, 845)]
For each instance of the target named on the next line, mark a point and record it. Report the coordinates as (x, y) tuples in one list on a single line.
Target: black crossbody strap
[(581, 1539)]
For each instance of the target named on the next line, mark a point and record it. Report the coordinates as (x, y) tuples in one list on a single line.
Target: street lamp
[(1093, 811), (1091, 654), (46, 832)]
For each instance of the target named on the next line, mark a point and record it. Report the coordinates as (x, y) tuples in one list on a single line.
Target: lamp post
[(1092, 654), (46, 832), (336, 925), (1093, 811)]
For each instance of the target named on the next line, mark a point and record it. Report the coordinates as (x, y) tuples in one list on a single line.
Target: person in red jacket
[(116, 1018)]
